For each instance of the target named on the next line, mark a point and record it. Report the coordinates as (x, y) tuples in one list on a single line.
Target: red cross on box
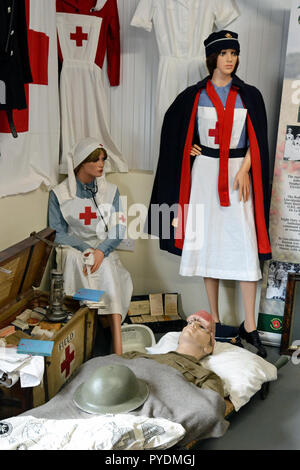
[(215, 133), (79, 36), (66, 364), (122, 218), (87, 215)]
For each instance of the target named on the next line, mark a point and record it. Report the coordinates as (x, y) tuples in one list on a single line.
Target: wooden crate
[(21, 268)]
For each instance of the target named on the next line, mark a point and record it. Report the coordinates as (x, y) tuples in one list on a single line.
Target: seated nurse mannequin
[(85, 210)]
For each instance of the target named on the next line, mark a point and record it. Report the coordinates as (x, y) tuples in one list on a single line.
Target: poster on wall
[(285, 199)]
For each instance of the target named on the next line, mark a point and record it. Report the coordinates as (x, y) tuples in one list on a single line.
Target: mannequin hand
[(98, 258), (195, 150), (242, 181)]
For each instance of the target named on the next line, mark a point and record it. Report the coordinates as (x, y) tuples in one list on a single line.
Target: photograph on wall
[(292, 143), (277, 279)]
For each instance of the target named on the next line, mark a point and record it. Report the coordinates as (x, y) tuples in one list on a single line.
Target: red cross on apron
[(87, 215), (66, 364), (79, 36), (215, 133), (38, 47)]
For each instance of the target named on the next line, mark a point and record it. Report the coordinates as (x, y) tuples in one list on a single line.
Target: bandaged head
[(206, 320)]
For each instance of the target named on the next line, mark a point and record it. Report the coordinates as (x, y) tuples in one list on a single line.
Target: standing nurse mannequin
[(222, 64)]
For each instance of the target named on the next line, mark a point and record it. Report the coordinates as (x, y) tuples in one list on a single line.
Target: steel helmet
[(111, 389)]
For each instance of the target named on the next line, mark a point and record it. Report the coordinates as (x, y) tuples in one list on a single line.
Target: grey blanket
[(199, 411)]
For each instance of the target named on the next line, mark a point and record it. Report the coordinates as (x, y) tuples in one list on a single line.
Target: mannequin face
[(195, 337), (226, 61), (90, 170)]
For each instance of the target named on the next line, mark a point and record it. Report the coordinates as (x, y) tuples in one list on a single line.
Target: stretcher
[(201, 415), (230, 410)]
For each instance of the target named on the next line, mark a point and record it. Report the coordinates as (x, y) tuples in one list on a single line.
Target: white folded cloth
[(30, 369), (31, 373), (89, 260)]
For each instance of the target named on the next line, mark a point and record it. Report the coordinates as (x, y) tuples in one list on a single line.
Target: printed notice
[(285, 216), (156, 304)]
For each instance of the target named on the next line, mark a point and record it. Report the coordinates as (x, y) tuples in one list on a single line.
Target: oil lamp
[(56, 311)]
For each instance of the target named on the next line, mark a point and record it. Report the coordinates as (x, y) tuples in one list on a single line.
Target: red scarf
[(225, 123)]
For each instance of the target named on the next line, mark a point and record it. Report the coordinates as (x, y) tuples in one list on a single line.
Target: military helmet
[(111, 389)]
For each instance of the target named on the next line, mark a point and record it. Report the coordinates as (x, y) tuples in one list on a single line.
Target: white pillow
[(168, 342), (241, 371)]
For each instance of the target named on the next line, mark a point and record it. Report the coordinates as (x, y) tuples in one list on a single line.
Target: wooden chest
[(21, 270)]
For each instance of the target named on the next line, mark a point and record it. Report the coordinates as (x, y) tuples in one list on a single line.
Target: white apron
[(85, 223), (84, 111), (220, 242)]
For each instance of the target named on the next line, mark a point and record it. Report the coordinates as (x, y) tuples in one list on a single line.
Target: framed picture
[(290, 339)]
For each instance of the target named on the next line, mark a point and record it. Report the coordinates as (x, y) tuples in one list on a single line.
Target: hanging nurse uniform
[(84, 109), (85, 223), (180, 28)]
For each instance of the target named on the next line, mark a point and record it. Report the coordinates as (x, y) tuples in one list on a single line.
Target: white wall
[(262, 29)]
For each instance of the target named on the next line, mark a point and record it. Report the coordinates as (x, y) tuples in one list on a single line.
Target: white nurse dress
[(82, 96), (181, 26)]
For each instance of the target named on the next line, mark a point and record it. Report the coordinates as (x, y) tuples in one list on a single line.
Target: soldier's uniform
[(190, 368)]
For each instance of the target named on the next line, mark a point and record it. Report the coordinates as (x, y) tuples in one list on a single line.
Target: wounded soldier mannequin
[(196, 341)]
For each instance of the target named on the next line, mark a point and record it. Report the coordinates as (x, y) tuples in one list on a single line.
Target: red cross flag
[(32, 158)]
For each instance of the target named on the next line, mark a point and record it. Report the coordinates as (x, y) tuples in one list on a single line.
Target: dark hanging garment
[(14, 58)]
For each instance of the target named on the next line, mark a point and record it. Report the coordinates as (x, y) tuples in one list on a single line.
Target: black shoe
[(253, 338), (225, 331)]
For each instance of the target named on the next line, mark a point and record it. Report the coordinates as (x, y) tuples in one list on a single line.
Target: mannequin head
[(197, 339), (87, 151), (92, 167), (222, 49)]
